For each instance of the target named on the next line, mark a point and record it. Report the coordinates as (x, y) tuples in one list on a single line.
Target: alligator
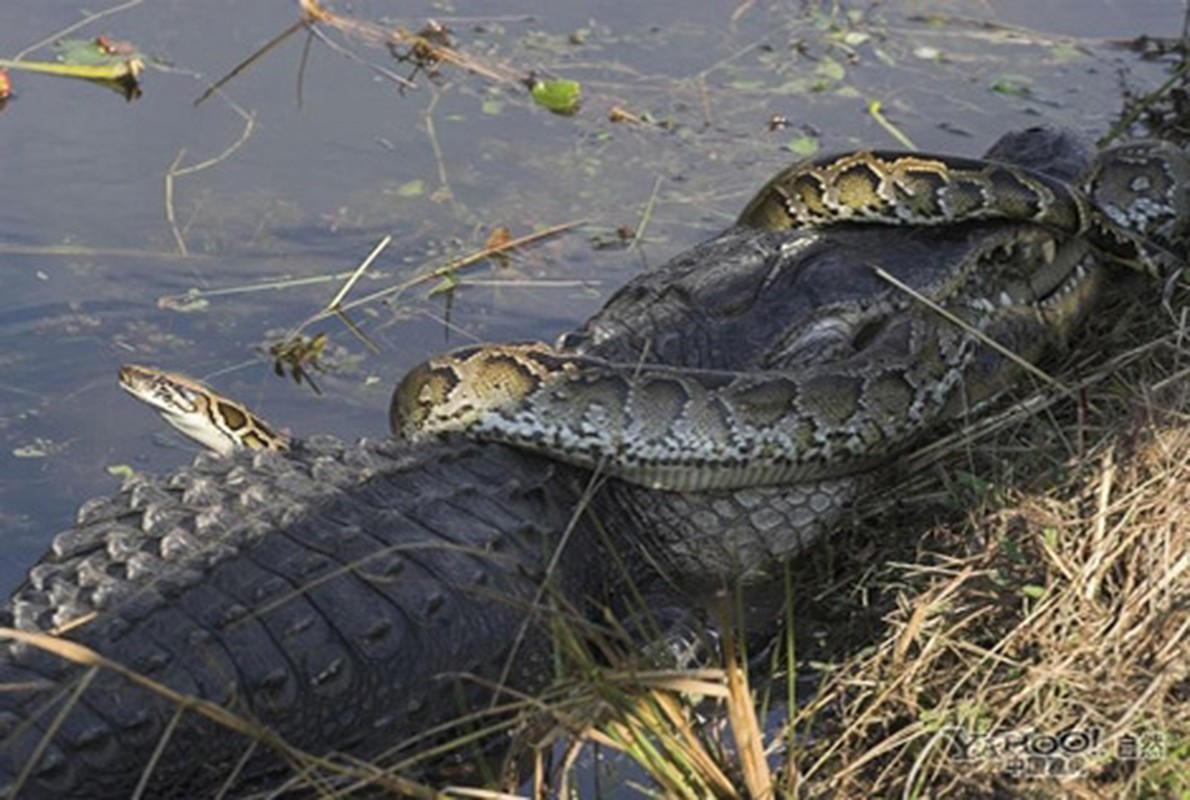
[(347, 597)]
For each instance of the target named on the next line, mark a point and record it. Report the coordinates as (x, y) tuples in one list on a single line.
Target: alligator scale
[(338, 594)]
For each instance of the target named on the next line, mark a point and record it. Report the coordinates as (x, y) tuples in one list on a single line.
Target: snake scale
[(872, 382)]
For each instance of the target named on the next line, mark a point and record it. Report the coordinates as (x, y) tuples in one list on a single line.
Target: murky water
[(87, 255)]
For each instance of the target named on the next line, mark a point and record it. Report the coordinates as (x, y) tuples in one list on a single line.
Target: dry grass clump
[(1073, 619), (1046, 651)]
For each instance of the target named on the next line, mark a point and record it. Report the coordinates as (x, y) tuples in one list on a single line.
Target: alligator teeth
[(1005, 299)]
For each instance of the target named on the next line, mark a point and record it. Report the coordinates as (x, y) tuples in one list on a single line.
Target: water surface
[(86, 254)]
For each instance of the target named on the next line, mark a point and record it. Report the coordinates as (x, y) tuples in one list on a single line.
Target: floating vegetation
[(114, 64), (297, 355), (561, 97)]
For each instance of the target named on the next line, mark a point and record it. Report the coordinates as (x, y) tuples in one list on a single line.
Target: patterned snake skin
[(858, 384)]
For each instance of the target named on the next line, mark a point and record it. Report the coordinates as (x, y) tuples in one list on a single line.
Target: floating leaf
[(801, 85), (120, 470), (112, 64), (830, 69), (561, 97), (122, 58), (411, 188), (39, 448), (1012, 85), (81, 51), (492, 107), (495, 241), (803, 145), (498, 238), (122, 70), (29, 451)]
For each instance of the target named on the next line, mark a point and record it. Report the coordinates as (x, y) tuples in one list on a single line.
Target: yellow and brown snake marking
[(199, 412), (894, 188), (884, 379)]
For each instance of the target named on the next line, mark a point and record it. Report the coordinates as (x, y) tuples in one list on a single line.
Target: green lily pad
[(561, 97), (830, 69)]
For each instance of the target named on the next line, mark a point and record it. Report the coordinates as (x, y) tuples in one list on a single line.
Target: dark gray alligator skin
[(330, 593), (322, 593)]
